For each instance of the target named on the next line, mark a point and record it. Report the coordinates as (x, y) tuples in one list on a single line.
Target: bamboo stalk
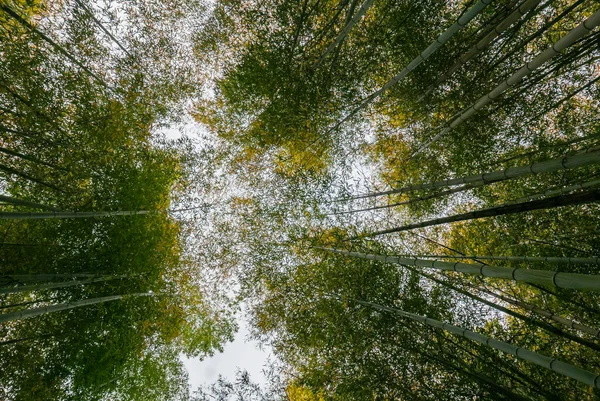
[(575, 34), (66, 215), (513, 17), (49, 286), (553, 364), (588, 157), (511, 208), (342, 35), (424, 55), (577, 281), (29, 313), (547, 259), (21, 202)]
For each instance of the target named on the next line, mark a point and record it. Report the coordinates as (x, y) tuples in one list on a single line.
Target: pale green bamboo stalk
[(513, 17), (553, 364), (66, 215), (510, 208), (21, 202), (588, 157), (552, 316), (29, 313), (554, 192), (436, 44), (546, 259), (45, 277), (569, 39), (342, 35), (49, 286), (586, 282)]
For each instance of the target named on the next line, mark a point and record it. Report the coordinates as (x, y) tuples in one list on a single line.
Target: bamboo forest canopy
[(401, 196)]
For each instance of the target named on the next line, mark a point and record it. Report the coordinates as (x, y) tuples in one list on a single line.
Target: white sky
[(239, 354)]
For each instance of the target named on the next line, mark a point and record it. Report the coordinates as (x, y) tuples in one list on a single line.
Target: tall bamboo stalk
[(21, 202), (345, 31), (588, 157), (513, 17), (577, 281), (45, 277), (558, 191), (55, 45), (547, 314), (424, 55), (49, 286), (526, 319), (66, 215), (569, 39), (546, 259), (555, 365), (511, 208), (29, 313)]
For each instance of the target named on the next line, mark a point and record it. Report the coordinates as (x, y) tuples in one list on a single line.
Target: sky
[(239, 354)]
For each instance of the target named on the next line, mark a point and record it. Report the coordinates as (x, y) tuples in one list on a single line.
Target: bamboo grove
[(403, 196)]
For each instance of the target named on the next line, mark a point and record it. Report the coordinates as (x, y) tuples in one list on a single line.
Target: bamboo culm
[(555, 365), (550, 315), (595, 260), (424, 55), (519, 12), (558, 191), (67, 215), (575, 34), (577, 281), (589, 157), (342, 35), (511, 208), (29, 313), (21, 202), (49, 286), (541, 325)]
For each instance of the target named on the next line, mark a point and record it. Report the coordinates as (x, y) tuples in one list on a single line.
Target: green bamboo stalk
[(67, 215), (547, 314), (569, 39), (513, 17), (21, 202), (55, 45), (588, 157), (558, 191), (45, 277), (585, 282), (21, 174), (435, 45), (511, 208), (29, 158), (345, 31), (29, 313), (49, 286), (553, 364), (526, 319), (546, 259)]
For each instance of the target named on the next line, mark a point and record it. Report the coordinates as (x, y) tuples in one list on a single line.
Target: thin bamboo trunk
[(50, 286), (575, 34), (511, 208), (45, 277), (513, 17), (517, 315), (555, 365), (18, 173), (589, 157), (21, 202), (418, 198), (55, 45), (547, 314), (546, 259), (585, 282), (30, 158), (345, 31), (558, 191), (66, 215), (436, 44), (29, 313)]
